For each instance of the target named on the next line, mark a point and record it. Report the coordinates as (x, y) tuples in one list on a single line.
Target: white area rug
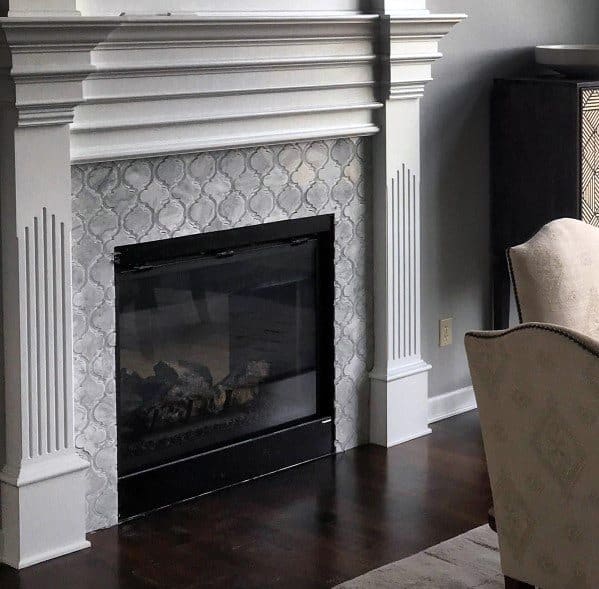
[(465, 562)]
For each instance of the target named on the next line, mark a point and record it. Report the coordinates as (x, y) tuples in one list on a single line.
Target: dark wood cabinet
[(545, 164)]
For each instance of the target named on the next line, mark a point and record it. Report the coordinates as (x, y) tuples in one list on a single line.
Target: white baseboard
[(450, 404), (410, 437), (51, 554)]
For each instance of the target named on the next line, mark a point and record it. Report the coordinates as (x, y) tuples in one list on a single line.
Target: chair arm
[(537, 388)]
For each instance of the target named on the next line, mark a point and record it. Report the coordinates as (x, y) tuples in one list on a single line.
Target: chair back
[(556, 276)]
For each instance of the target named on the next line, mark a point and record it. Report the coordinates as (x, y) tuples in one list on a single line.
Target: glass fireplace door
[(215, 348)]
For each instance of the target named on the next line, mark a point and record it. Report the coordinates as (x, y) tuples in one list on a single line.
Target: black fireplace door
[(222, 339)]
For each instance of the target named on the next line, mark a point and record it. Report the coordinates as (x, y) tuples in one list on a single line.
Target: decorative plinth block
[(43, 511), (398, 406)]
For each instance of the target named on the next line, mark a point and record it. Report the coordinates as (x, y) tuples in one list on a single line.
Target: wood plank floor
[(312, 526)]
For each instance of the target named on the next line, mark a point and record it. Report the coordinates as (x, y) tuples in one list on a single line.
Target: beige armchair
[(537, 388)]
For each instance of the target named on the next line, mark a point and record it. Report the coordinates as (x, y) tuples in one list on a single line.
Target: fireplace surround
[(130, 202), (89, 89)]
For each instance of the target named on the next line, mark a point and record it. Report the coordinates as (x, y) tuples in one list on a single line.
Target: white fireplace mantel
[(90, 88)]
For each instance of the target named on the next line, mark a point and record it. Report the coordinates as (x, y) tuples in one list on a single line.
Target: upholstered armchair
[(537, 388)]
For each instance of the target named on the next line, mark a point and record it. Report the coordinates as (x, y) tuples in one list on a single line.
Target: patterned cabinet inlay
[(590, 156)]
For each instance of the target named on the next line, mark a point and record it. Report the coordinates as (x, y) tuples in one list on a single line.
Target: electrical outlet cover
[(446, 332)]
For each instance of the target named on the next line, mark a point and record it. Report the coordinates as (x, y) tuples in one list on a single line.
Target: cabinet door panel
[(590, 156)]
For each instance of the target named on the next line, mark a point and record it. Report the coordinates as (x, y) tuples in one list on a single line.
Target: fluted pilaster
[(399, 395), (42, 480)]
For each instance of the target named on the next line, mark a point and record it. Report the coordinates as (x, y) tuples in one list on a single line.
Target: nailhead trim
[(539, 326)]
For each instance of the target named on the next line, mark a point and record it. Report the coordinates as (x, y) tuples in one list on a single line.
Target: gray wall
[(494, 41)]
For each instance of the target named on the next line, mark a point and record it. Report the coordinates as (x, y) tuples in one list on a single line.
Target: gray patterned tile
[(148, 199)]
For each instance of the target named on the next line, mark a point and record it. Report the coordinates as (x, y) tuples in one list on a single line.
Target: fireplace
[(186, 123), (225, 358)]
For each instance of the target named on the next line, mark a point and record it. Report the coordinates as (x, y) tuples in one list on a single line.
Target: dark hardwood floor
[(312, 526)]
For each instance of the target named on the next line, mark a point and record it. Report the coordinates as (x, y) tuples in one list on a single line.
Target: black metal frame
[(268, 451)]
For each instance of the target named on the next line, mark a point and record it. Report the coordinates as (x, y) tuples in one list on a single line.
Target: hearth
[(224, 358)]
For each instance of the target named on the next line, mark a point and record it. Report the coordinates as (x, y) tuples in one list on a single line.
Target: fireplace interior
[(224, 358)]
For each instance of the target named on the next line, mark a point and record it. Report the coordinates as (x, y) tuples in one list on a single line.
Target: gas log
[(181, 390)]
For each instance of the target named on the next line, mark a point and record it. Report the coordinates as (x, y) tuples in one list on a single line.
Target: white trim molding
[(90, 88), (156, 85), (42, 482), (451, 404), (399, 391)]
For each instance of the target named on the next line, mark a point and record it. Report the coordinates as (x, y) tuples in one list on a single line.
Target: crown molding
[(406, 72), (279, 71), (195, 79), (424, 26)]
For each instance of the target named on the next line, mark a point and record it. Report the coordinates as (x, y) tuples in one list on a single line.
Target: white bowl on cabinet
[(575, 61)]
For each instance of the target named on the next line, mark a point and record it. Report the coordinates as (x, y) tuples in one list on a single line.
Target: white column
[(399, 380), (42, 482)]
